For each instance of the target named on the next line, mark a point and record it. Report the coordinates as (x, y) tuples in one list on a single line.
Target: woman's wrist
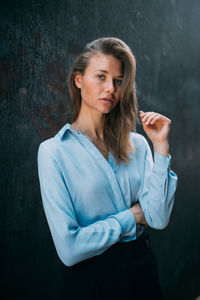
[(161, 147)]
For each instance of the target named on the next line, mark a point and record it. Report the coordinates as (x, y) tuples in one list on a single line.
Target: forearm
[(161, 147), (75, 243), (158, 195)]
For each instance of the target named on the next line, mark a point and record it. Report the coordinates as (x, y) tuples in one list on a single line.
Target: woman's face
[(102, 79)]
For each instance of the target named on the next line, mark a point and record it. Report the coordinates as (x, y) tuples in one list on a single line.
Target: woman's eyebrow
[(104, 71)]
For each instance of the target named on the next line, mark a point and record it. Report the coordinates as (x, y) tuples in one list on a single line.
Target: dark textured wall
[(39, 41)]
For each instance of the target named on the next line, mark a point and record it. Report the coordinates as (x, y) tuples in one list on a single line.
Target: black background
[(39, 41)]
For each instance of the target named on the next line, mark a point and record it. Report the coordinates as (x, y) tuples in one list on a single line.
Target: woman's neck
[(90, 124)]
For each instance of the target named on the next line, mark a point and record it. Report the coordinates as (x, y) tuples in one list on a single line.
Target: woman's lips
[(107, 100)]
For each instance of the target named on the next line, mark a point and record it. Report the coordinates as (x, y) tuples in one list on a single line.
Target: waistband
[(130, 250)]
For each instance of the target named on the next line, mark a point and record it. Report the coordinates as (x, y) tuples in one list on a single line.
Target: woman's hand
[(138, 214), (157, 128)]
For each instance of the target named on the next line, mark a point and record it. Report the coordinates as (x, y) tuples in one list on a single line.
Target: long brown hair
[(122, 119)]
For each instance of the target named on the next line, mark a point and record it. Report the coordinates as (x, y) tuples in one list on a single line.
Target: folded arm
[(73, 242)]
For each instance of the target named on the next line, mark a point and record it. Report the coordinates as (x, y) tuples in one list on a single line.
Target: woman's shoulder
[(138, 140), (54, 143), (50, 142)]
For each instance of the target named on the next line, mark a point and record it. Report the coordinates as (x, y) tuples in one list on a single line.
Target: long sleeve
[(73, 242), (158, 192)]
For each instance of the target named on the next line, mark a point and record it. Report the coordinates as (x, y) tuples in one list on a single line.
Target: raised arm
[(159, 181), (73, 242)]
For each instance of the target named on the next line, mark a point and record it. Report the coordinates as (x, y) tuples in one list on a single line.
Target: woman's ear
[(78, 79)]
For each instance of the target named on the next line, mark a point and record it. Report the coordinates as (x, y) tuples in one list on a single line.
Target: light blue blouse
[(86, 198)]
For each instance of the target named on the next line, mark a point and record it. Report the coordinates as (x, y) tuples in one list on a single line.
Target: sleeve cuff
[(127, 222), (163, 161)]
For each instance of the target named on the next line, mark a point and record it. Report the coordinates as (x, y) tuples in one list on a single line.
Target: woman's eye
[(118, 81), (100, 76)]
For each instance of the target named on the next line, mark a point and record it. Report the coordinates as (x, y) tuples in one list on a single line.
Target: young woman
[(100, 186)]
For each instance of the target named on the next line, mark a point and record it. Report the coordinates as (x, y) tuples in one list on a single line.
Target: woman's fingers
[(150, 118), (138, 214), (154, 119), (147, 117)]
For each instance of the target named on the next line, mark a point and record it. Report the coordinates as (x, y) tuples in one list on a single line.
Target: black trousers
[(125, 271)]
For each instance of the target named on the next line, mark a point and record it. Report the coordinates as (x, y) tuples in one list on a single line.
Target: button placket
[(108, 166)]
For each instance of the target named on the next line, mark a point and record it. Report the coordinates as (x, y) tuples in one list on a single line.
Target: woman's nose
[(110, 86)]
